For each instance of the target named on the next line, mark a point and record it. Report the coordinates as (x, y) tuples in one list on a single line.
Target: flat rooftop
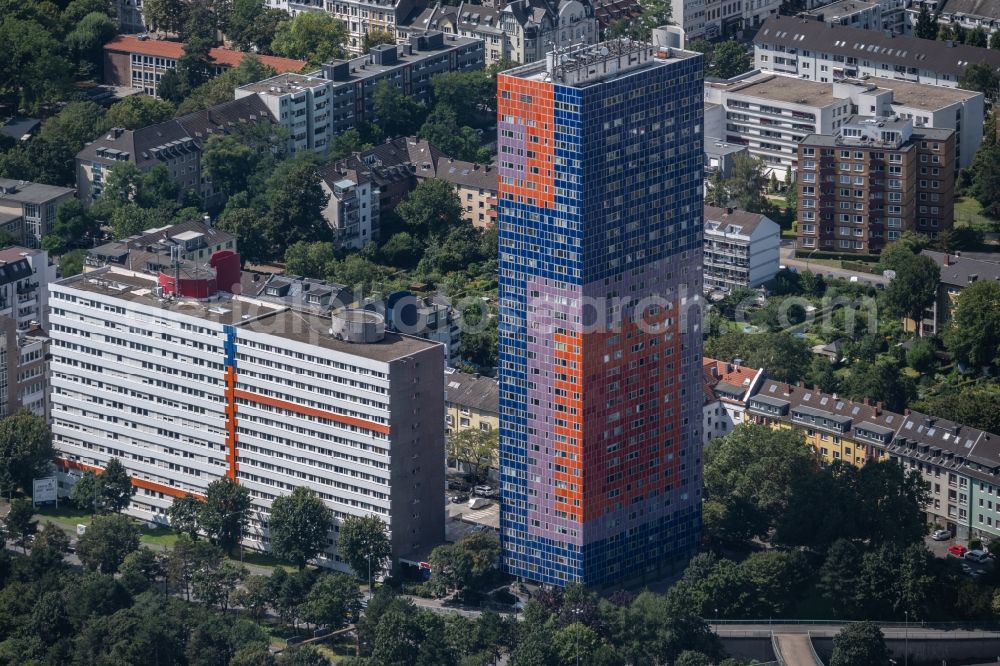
[(283, 84), (921, 96), (841, 8), (777, 88), (247, 313), (588, 64)]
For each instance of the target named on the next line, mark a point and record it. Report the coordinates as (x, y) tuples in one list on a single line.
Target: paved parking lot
[(461, 519), (940, 549)]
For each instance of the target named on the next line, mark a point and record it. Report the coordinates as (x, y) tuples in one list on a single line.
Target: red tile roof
[(717, 372), (164, 49)]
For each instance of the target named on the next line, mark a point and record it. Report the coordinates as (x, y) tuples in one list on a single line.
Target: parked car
[(941, 535), (459, 499), (483, 491), (977, 555), (456, 485), (958, 550), (478, 503)]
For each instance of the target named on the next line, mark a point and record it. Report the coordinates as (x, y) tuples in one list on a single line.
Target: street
[(788, 258)]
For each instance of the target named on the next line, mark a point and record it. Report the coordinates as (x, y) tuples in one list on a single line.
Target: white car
[(941, 535)]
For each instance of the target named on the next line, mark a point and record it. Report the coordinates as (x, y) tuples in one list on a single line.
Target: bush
[(421, 590), (504, 597)]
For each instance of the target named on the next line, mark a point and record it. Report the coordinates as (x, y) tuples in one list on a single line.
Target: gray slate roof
[(873, 45)]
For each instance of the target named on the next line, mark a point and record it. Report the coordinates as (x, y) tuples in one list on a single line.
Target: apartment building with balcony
[(819, 51), (966, 14), (771, 113), (853, 13), (741, 248), (959, 465), (957, 273), (28, 210), (24, 278), (186, 383), (352, 209), (709, 19), (875, 178), (727, 388), (317, 106)]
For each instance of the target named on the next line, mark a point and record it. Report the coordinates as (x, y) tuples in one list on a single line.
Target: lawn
[(66, 515), (968, 213), (160, 536), (261, 559)]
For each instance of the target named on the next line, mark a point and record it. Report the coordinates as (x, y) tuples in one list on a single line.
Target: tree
[(859, 644), (883, 381), (255, 595), (995, 40), (431, 209), (653, 14), (786, 358), (791, 191), (137, 111), (310, 259), (747, 183), (363, 543), (86, 40), (575, 643), (333, 600), (225, 513), (441, 129), (926, 27), (396, 113), (973, 334), (167, 15), (294, 201), (32, 69), (116, 486), (838, 577), (977, 37), (921, 356), (914, 287), (183, 514), (402, 250), (718, 194), (729, 59), (303, 655), (981, 78), (106, 543), (71, 263), (253, 26), (313, 36), (25, 450), (469, 94), (376, 37), (219, 89), (214, 585), (19, 523), (299, 526), (977, 406), (229, 162), (187, 557), (895, 499), (750, 474), (140, 570), (253, 655), (985, 187), (475, 448), (73, 224)]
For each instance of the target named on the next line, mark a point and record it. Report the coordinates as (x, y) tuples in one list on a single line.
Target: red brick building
[(139, 63)]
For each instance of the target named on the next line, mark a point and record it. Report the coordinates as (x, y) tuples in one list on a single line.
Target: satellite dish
[(604, 51)]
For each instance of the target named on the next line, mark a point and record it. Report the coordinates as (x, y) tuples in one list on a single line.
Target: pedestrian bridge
[(794, 650)]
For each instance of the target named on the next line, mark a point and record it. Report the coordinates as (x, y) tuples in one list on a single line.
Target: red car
[(958, 550)]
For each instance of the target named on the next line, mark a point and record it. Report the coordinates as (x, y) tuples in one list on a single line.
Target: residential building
[(818, 51), (316, 107), (468, 20), (720, 156), (176, 144), (471, 401), (129, 15), (741, 249), (431, 317), (360, 17), (966, 14), (25, 275), (610, 12), (155, 250), (476, 185), (947, 455), (28, 210), (957, 273), (186, 383), (772, 113), (139, 62), (875, 178), (727, 388), (708, 19), (352, 209), (534, 27), (853, 13), (625, 118)]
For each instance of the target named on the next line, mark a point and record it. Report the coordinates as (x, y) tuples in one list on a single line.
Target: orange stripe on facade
[(138, 483), (232, 439), (311, 411)]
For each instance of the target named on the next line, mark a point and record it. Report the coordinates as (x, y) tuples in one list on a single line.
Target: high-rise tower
[(600, 209)]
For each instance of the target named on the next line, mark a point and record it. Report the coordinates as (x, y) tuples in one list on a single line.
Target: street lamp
[(906, 638), (576, 613), (809, 256)]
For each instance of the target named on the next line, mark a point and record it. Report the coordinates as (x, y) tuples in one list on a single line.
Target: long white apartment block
[(187, 390), (771, 113)]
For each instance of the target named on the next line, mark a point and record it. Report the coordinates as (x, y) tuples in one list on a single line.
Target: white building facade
[(741, 249), (187, 391)]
